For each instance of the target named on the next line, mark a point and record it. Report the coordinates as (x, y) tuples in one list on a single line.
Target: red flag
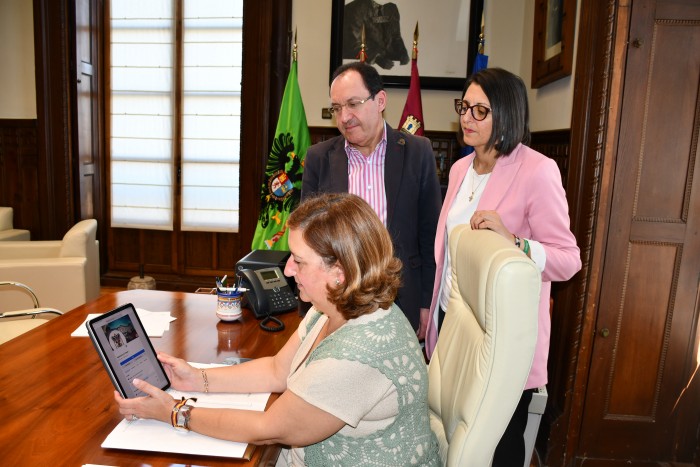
[(412, 117)]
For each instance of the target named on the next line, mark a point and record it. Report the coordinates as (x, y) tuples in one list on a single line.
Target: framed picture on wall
[(447, 42), (553, 40)]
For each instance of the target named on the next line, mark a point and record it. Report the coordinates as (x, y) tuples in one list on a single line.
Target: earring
[(337, 282)]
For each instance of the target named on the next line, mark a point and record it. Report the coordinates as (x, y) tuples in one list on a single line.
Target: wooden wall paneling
[(319, 134), (123, 251), (19, 181), (160, 258), (556, 145), (201, 250), (446, 148)]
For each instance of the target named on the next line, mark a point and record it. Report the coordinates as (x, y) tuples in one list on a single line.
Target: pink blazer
[(525, 189)]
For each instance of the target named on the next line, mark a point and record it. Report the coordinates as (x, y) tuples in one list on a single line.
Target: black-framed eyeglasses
[(479, 111), (351, 104)]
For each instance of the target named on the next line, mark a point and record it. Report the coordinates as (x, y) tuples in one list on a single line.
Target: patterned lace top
[(386, 345)]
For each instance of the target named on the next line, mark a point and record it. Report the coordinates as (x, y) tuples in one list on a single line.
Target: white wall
[(509, 30), (17, 83), (508, 25)]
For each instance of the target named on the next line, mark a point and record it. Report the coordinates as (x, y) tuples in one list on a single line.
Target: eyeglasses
[(352, 104), (479, 112)]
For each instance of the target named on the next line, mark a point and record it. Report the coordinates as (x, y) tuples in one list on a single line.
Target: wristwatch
[(182, 422)]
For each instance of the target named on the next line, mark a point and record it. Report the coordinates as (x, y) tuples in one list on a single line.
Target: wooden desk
[(56, 402)]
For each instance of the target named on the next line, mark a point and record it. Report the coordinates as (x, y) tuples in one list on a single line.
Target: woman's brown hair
[(344, 231)]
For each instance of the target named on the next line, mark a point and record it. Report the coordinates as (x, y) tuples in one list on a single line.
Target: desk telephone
[(268, 292)]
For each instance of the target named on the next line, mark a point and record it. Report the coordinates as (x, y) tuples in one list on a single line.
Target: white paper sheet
[(155, 322), (151, 435)]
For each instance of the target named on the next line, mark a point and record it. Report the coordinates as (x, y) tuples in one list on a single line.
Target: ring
[(134, 417)]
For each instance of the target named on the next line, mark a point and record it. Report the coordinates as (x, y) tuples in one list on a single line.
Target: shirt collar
[(350, 149)]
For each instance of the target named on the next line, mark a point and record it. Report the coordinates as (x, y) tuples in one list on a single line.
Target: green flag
[(281, 187)]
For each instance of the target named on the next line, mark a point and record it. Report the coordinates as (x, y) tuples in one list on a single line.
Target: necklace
[(483, 177)]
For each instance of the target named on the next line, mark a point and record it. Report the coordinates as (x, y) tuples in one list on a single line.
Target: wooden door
[(88, 101), (641, 404)]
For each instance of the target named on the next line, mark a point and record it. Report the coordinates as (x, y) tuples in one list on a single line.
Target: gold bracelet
[(206, 381)]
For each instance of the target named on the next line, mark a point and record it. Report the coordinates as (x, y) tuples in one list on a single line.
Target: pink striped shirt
[(366, 176)]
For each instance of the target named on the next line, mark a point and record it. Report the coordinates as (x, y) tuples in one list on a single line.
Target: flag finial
[(414, 54), (294, 50), (363, 54)]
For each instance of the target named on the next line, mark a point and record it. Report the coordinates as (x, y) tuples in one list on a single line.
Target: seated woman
[(353, 379)]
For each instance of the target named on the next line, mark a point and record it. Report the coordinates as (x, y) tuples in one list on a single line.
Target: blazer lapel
[(393, 168), (338, 164), (501, 178)]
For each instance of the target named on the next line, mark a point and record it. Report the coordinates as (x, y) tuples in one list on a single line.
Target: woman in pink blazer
[(509, 188)]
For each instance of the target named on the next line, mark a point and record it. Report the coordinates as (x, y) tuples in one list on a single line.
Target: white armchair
[(485, 348), (7, 231), (63, 273)]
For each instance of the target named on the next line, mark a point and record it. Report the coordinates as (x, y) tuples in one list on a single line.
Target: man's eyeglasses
[(352, 104), (479, 112)]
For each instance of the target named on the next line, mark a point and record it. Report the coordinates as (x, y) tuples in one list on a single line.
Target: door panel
[(644, 355), (88, 109)]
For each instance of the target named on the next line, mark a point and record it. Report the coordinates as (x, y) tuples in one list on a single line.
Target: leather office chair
[(63, 273), (7, 231), (485, 348), (15, 323)]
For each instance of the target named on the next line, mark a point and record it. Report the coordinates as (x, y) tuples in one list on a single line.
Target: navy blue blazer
[(413, 205)]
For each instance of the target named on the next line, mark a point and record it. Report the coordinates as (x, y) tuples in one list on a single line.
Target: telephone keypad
[(282, 300)]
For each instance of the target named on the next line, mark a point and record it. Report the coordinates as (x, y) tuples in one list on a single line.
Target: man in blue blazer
[(393, 171)]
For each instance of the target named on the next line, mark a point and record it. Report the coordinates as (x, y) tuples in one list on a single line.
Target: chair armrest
[(5, 218), (20, 286), (17, 235), (44, 313), (30, 249)]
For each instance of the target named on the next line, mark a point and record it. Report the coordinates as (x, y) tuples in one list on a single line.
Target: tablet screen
[(126, 351)]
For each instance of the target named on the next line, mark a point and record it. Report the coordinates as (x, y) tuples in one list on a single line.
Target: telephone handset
[(268, 292)]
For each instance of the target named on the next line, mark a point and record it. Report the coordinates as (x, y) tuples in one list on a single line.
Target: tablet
[(126, 351)]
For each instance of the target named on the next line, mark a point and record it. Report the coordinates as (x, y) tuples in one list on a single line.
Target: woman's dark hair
[(509, 108), (345, 231), (370, 77)]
